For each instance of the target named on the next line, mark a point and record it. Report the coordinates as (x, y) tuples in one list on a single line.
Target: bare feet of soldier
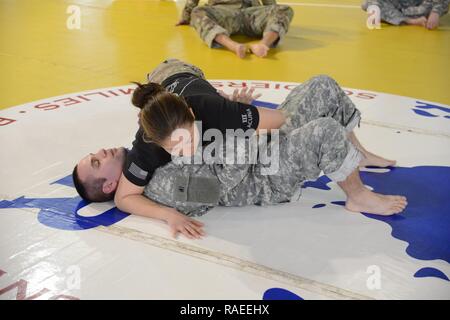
[(371, 159), (259, 49), (432, 21), (370, 202), (421, 21), (238, 48), (241, 50)]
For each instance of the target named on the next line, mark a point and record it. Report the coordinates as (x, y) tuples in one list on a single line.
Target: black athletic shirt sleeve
[(209, 106), (219, 113), (143, 159)]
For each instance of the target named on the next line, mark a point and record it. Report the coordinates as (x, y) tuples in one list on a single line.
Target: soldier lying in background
[(222, 18), (424, 13)]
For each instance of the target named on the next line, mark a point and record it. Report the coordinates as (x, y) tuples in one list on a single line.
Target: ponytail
[(144, 92), (161, 113)]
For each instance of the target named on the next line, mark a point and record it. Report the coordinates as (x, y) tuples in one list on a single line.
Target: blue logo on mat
[(280, 294), (425, 223), (61, 213), (422, 106)]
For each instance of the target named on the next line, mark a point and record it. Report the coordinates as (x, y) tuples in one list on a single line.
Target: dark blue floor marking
[(425, 224)]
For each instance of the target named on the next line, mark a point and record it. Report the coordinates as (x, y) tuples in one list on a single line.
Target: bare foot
[(259, 49), (370, 202), (241, 50), (433, 20), (421, 21), (371, 159)]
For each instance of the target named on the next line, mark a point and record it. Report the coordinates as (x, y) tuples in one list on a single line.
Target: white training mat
[(53, 245)]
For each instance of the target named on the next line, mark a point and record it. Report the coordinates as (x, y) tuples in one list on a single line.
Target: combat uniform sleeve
[(440, 6), (189, 6)]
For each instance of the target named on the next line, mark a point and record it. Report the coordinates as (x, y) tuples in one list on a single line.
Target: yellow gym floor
[(120, 41)]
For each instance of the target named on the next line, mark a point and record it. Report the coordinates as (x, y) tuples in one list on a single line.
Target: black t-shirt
[(208, 106)]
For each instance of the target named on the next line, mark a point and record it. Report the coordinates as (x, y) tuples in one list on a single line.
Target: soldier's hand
[(179, 223), (182, 22), (243, 96), (433, 20)]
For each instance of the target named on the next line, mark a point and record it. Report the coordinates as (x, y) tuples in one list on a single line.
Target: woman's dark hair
[(161, 113)]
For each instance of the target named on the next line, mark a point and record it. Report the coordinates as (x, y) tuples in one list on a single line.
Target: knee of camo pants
[(346, 114), (206, 26), (321, 96), (170, 67), (279, 22), (303, 88), (325, 147)]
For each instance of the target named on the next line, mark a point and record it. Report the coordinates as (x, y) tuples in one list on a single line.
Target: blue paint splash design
[(265, 104), (61, 213), (321, 183), (338, 203), (429, 106), (431, 272), (424, 113), (280, 294), (425, 223)]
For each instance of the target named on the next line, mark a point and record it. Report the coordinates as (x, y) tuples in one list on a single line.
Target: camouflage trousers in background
[(324, 115), (397, 12), (210, 21)]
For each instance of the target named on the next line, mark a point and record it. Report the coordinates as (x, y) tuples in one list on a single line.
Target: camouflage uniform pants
[(320, 145), (313, 140), (397, 11), (170, 67), (321, 96), (210, 21)]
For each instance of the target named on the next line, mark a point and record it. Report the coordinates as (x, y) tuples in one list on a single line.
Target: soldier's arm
[(129, 198), (440, 6), (270, 119), (419, 10), (188, 7)]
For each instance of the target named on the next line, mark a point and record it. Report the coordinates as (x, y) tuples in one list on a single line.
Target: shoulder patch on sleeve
[(137, 171)]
